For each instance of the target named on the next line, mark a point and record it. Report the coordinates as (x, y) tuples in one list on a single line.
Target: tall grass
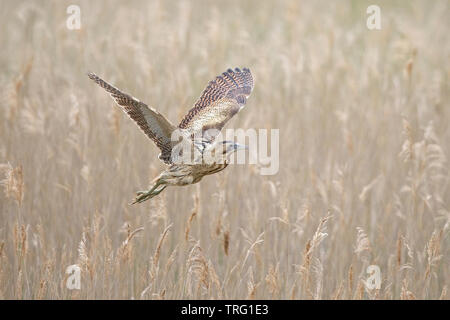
[(364, 143)]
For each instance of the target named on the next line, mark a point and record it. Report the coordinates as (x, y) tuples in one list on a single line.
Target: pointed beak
[(238, 146)]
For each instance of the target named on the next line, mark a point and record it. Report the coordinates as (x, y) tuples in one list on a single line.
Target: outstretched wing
[(219, 102), (152, 123)]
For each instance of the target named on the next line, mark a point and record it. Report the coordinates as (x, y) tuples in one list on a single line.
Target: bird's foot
[(142, 196)]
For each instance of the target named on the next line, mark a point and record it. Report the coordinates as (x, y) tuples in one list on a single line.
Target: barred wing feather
[(152, 123), (219, 102)]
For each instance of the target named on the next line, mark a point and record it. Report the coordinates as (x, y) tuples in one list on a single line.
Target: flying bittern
[(219, 102)]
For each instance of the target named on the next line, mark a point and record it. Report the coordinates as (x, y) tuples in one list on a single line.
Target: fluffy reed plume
[(83, 255), (33, 119), (311, 246), (362, 242), (14, 90), (21, 244), (407, 148), (201, 273), (13, 182)]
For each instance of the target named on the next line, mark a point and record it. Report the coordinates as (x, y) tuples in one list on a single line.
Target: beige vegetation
[(364, 143)]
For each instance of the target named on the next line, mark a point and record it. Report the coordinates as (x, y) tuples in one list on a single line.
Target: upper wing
[(151, 122), (221, 100)]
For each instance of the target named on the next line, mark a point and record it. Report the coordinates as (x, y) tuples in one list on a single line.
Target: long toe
[(143, 196), (139, 198)]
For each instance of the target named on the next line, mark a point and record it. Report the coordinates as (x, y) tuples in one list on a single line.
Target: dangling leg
[(154, 191), (151, 190)]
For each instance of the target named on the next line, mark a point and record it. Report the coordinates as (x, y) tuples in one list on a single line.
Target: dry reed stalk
[(406, 294), (251, 286), (19, 285), (443, 293), (42, 289), (272, 279), (359, 294), (399, 250), (124, 251), (350, 281), (318, 271), (160, 242), (15, 89), (226, 241), (338, 292), (170, 260), (433, 252), (188, 225), (154, 262), (253, 245), (114, 117)]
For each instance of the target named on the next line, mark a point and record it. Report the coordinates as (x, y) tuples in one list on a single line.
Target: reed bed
[(364, 144)]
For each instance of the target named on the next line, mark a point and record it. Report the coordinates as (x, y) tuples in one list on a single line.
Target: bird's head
[(220, 152), (228, 147)]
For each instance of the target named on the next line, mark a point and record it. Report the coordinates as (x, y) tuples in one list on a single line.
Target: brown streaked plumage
[(219, 102)]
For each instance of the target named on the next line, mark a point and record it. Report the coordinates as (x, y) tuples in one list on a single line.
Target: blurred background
[(364, 143)]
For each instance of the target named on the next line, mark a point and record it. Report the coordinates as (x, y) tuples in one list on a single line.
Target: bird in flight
[(220, 101)]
